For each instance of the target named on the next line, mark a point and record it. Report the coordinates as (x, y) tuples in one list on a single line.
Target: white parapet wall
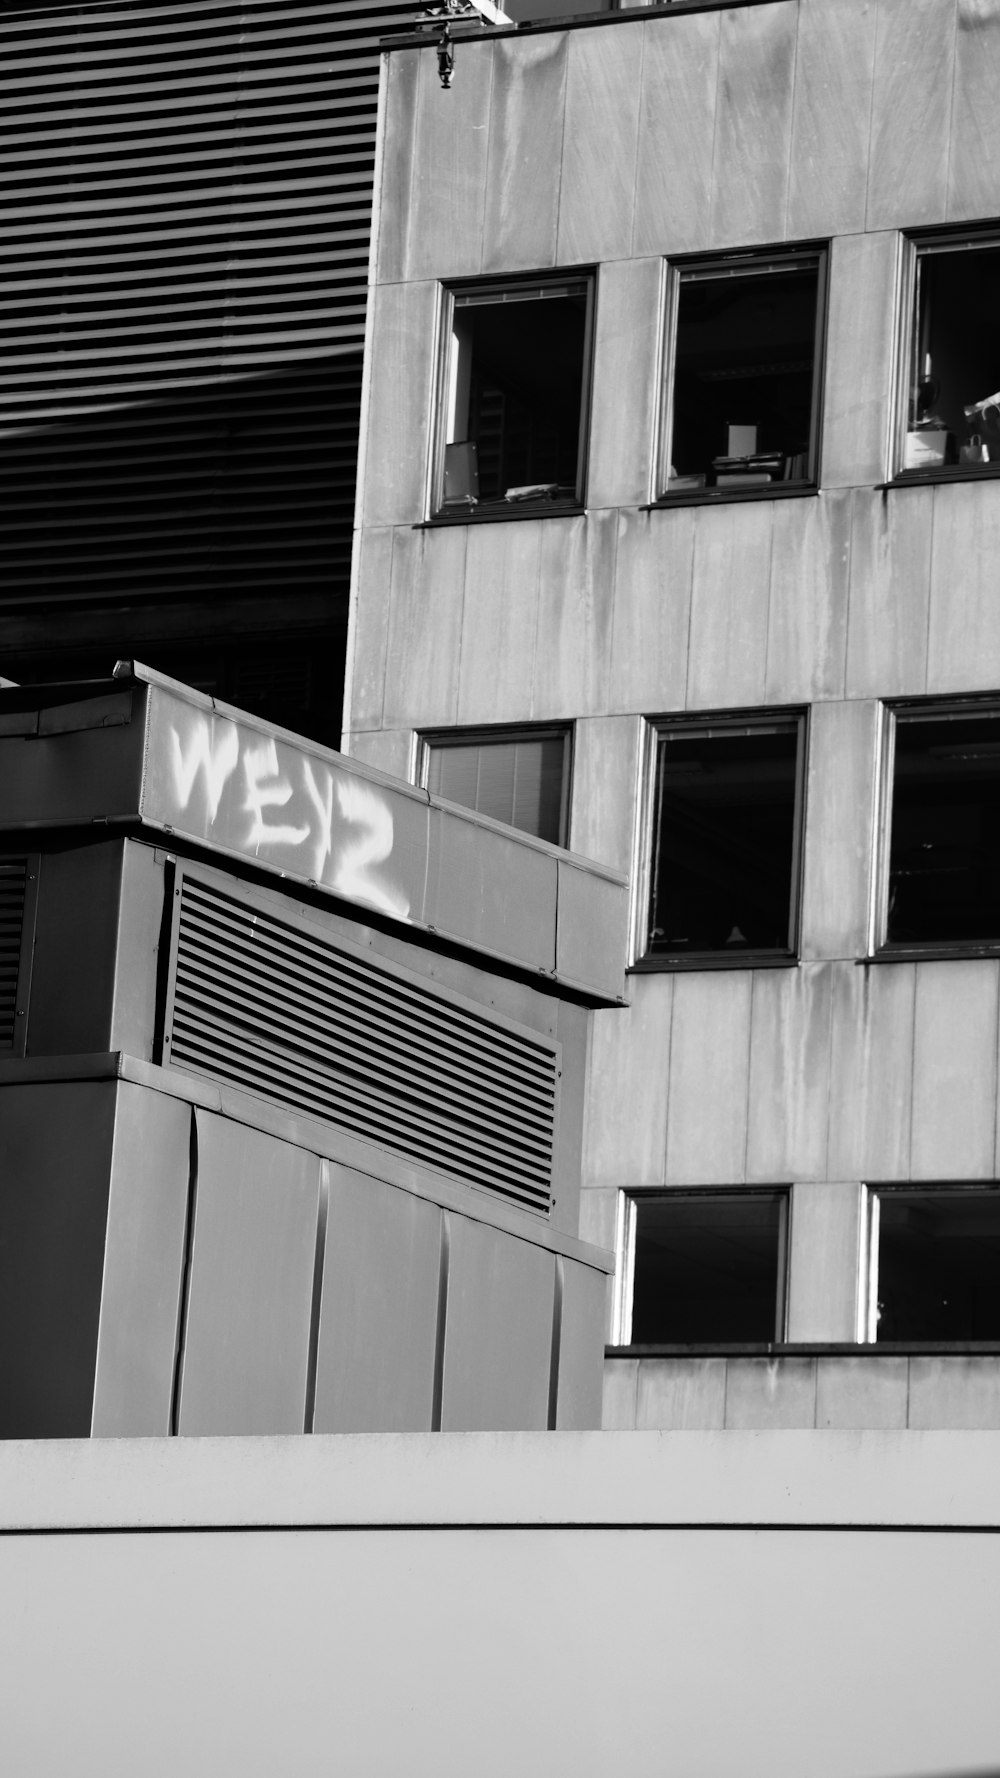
[(779, 1603)]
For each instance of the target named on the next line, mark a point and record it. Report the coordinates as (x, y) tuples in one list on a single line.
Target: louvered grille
[(13, 889), (282, 1013), (186, 193)]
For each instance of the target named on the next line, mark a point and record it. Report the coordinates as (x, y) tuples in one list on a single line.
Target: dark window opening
[(708, 1268), (516, 396), (725, 840), (938, 1265), (745, 382), (953, 404), (522, 779), (944, 857)]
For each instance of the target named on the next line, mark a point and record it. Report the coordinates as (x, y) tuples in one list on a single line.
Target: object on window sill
[(975, 450), (534, 491), (683, 484), (927, 447)]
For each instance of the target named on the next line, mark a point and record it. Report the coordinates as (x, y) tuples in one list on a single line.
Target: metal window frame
[(755, 262), (875, 1191), (914, 247), (518, 287), (486, 735), (705, 724), (625, 1234), (894, 711)]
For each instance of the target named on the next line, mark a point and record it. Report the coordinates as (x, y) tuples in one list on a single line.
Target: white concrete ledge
[(934, 1479)]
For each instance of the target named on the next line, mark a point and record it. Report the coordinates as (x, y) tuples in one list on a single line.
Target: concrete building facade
[(847, 594)]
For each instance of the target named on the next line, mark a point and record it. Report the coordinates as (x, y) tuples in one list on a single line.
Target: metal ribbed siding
[(287, 1015), (186, 205)]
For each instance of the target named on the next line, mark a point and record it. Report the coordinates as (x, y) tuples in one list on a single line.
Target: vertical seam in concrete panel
[(442, 1321), (316, 1307), (666, 1080), (486, 163), (638, 138), (557, 1308), (913, 1071), (871, 107), (465, 594), (790, 144), (951, 107), (909, 1371), (746, 1118), (559, 196), (930, 589), (184, 1293), (689, 577), (770, 594)]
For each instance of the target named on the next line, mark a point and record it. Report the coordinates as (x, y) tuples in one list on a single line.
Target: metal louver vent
[(278, 1010), (13, 895)]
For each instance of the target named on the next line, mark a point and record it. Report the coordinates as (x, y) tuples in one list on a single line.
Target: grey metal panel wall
[(498, 1335), (378, 1332), (250, 1288), (581, 1341), (55, 1165), (143, 1266)]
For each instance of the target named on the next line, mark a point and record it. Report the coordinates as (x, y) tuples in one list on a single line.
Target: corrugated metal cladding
[(13, 887), (282, 1012), (186, 214)]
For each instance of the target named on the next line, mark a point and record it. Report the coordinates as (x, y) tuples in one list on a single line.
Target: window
[(702, 1268), (746, 352), (950, 419), (942, 885), (724, 854), (515, 377), (935, 1264), (517, 776)]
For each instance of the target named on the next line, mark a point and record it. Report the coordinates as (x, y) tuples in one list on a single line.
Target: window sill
[(811, 1349), (932, 953), (715, 960), (922, 478), (727, 496), (543, 509)]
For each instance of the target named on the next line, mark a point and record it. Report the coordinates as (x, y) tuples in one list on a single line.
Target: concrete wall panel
[(824, 1275), (753, 125), (859, 356), (400, 117), (652, 615), (401, 378), (605, 775), (807, 611), (575, 602), (828, 160), (871, 1078), (911, 114), (766, 1393), (369, 629), (868, 1394), (679, 1394), (389, 749), (625, 400), (424, 641), (963, 644), (727, 647), (599, 145), (840, 805), (680, 76), (448, 181), (953, 1391), (890, 593), (626, 1123), (709, 1068), (789, 1073), (974, 163), (525, 152), (954, 1070), (496, 669), (581, 1347)]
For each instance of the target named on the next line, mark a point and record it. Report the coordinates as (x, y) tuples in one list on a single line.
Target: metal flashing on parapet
[(584, 21)]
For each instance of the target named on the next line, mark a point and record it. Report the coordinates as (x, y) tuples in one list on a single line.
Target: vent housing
[(272, 1006)]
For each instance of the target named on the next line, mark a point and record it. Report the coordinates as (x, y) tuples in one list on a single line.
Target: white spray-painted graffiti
[(293, 812)]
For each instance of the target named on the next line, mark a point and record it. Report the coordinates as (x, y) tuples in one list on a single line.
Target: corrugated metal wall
[(185, 213)]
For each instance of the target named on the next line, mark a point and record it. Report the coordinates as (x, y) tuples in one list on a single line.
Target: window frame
[(781, 257), (875, 1191), (434, 511), (624, 1281), (644, 871), (881, 948), (914, 246), (487, 735)]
